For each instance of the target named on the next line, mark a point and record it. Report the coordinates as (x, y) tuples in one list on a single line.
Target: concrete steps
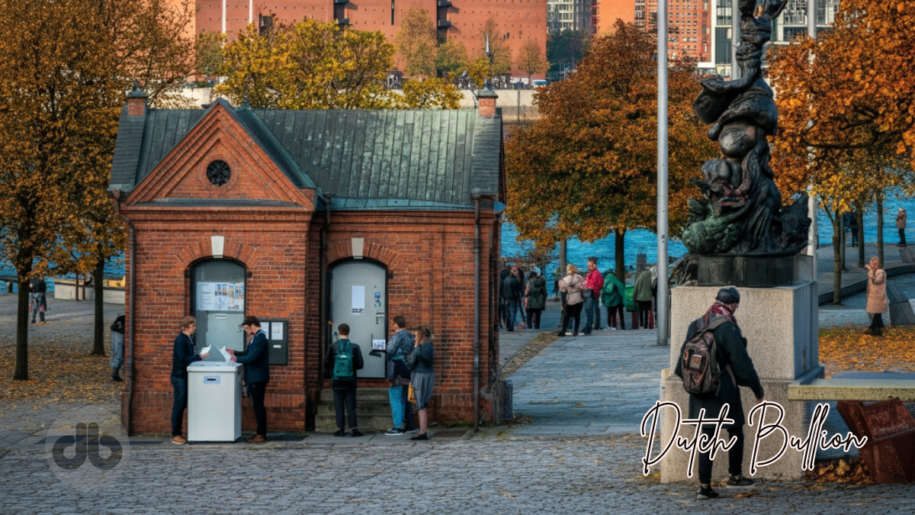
[(373, 411)]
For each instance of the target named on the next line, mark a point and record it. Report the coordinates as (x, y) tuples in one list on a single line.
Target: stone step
[(362, 395), (373, 411)]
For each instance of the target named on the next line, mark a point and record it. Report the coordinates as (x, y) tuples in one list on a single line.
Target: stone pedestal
[(780, 325)]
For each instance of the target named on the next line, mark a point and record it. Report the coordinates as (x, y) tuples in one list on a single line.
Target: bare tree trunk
[(842, 241), (22, 332), (98, 347), (563, 257), (859, 213), (620, 254), (880, 229), (837, 258)]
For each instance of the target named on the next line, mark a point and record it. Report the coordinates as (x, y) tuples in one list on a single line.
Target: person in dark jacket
[(117, 347), (39, 291), (256, 358), (422, 376), (184, 352), (505, 272), (642, 294), (511, 297), (345, 391), (732, 359), (535, 295)]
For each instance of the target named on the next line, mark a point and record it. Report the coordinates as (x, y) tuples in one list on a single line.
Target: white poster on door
[(276, 330), (206, 296), (358, 299), (213, 296)]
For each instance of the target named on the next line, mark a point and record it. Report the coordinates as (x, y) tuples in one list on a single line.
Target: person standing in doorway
[(422, 377), (900, 224), (184, 352), (398, 374), (877, 303), (737, 370), (594, 283), (642, 296), (256, 358), (39, 291), (343, 359), (535, 295), (571, 285), (511, 296), (612, 296)]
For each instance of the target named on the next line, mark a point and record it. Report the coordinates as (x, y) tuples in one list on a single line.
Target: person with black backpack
[(713, 365), (344, 358)]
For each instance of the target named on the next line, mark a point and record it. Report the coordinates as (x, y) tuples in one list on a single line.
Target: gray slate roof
[(424, 159)]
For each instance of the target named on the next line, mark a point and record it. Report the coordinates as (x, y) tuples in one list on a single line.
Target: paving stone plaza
[(580, 453)]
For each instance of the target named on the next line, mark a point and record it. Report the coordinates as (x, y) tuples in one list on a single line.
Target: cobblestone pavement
[(484, 474)]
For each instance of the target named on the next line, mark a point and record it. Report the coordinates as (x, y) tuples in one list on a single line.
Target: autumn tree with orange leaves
[(588, 166), (846, 106)]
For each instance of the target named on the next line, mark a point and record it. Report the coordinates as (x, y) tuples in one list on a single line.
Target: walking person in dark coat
[(511, 296), (732, 359), (39, 293), (184, 352), (344, 388), (256, 358), (535, 295)]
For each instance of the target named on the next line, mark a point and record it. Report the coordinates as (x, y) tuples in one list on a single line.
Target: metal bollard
[(890, 430)]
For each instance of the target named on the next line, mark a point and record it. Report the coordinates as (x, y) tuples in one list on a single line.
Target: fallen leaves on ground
[(531, 349), (849, 349), (841, 471), (60, 369)]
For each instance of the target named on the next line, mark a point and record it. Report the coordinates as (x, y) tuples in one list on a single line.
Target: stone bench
[(855, 386)]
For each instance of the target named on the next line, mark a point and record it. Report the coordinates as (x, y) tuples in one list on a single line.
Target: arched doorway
[(218, 303), (359, 299)]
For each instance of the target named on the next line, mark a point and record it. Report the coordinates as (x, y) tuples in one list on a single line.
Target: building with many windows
[(792, 23), (568, 14), (689, 24)]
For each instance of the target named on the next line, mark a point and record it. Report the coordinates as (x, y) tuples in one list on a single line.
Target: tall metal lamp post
[(663, 294)]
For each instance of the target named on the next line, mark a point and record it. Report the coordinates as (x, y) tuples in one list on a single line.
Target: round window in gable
[(218, 172)]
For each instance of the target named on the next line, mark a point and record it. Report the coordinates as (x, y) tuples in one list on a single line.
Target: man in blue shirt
[(184, 353), (256, 358)]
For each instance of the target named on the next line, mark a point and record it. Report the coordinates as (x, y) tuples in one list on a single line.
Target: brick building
[(689, 23), (311, 218), (459, 19)]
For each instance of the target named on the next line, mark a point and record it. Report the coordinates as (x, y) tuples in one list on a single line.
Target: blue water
[(636, 242)]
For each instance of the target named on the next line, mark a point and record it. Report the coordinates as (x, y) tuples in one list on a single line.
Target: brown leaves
[(841, 471), (848, 349)]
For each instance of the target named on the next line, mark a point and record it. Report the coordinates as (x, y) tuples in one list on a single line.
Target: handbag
[(411, 395)]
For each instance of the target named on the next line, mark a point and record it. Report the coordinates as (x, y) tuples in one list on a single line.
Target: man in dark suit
[(256, 358), (184, 353)]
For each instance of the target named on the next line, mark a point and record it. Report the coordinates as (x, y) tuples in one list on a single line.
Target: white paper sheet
[(226, 355), (378, 345), (276, 330), (359, 297), (205, 350)]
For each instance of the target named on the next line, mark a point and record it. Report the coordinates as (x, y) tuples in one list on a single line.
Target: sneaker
[(706, 492), (394, 431), (739, 480), (340, 432), (179, 440), (570, 333), (356, 433), (423, 436), (612, 329)]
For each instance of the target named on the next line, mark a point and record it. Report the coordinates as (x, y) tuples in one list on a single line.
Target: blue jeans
[(589, 314), (396, 398), (511, 314), (180, 386)]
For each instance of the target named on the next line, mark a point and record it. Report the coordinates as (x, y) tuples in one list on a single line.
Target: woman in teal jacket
[(612, 295)]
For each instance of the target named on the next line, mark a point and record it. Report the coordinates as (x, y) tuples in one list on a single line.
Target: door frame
[(330, 304)]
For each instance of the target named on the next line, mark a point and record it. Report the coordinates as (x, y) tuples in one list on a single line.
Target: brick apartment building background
[(462, 20), (689, 23)]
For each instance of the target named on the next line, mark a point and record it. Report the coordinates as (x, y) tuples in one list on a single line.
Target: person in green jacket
[(535, 298), (642, 296), (612, 295)]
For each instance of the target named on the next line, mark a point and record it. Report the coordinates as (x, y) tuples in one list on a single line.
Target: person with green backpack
[(344, 358)]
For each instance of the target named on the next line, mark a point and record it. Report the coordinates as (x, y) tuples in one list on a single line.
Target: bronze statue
[(741, 209)]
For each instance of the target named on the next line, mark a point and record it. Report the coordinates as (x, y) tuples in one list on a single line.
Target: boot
[(115, 376)]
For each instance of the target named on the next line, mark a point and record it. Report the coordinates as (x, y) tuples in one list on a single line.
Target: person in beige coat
[(877, 303), (571, 285)]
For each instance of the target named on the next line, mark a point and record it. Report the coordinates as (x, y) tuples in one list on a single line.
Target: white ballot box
[(214, 401)]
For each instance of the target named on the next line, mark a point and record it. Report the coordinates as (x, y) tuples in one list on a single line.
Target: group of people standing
[(409, 373), (521, 296)]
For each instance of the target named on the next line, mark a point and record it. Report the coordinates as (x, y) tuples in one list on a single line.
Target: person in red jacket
[(594, 283)]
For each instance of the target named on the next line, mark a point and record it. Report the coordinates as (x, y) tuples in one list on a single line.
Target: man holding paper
[(183, 354), (256, 358)]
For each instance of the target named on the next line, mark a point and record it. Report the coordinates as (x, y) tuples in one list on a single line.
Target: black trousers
[(735, 455), (571, 312), (616, 312), (533, 318), (644, 307), (257, 391), (877, 321), (345, 398), (902, 237)]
